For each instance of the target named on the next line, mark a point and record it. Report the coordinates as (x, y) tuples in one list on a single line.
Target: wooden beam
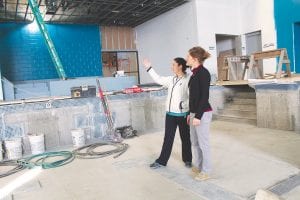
[(266, 54)]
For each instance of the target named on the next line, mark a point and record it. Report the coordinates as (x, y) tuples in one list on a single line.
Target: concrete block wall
[(56, 118), (278, 106)]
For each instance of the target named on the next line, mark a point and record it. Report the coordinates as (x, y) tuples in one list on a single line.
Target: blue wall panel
[(24, 55), (286, 15), (297, 45)]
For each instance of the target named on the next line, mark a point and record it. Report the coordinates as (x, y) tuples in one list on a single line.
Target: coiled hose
[(88, 151), (85, 152), (41, 159), (11, 163)]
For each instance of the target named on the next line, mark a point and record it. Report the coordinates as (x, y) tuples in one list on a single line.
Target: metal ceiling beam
[(75, 9), (131, 12), (55, 12), (26, 12), (89, 4), (115, 8), (5, 8), (125, 11), (154, 13), (16, 9)]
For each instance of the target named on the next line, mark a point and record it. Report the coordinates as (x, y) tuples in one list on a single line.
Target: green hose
[(85, 152), (41, 159)]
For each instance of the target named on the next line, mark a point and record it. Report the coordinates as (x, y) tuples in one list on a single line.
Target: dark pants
[(170, 129)]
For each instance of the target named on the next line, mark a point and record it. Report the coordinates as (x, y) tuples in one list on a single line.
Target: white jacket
[(178, 91)]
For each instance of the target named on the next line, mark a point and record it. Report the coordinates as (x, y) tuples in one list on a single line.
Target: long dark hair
[(182, 62)]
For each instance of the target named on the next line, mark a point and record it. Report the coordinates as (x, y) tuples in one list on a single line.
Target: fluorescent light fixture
[(33, 27)]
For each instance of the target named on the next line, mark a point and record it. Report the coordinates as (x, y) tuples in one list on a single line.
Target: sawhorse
[(283, 59), (229, 66)]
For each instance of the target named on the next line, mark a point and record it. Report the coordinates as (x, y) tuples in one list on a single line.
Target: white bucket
[(13, 148), (78, 137), (1, 151), (37, 143)]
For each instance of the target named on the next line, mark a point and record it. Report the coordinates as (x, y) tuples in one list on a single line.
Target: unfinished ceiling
[(102, 12)]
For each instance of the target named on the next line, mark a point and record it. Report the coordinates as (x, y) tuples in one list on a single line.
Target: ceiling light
[(115, 11), (118, 22), (33, 27), (136, 14), (157, 2)]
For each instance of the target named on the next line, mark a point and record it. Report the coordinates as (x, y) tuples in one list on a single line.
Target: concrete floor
[(245, 158)]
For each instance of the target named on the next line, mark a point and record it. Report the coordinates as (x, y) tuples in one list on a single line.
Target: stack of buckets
[(13, 147), (78, 137), (37, 143)]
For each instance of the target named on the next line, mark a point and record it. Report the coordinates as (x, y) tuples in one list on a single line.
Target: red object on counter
[(132, 90)]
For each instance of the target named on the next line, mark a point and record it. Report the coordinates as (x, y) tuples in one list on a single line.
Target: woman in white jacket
[(177, 107)]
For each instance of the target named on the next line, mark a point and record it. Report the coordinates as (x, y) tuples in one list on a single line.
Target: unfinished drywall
[(216, 17), (165, 37), (258, 15)]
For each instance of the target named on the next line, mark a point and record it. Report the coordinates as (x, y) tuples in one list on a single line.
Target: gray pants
[(200, 142)]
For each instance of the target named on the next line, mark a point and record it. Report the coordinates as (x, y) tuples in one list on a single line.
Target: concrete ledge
[(276, 86), (278, 106)]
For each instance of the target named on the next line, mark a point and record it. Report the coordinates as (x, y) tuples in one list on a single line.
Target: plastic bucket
[(78, 137), (37, 143), (13, 148), (1, 151)]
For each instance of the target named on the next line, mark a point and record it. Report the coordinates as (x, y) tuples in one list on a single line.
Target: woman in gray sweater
[(200, 112)]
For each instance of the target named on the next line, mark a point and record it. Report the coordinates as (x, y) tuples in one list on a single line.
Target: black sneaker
[(188, 164), (155, 165)]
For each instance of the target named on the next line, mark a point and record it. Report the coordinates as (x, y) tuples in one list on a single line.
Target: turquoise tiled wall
[(24, 55), (287, 18)]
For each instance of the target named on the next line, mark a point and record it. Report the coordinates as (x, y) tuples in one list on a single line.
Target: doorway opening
[(227, 45)]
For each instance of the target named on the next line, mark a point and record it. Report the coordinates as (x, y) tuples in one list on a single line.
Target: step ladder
[(53, 53)]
